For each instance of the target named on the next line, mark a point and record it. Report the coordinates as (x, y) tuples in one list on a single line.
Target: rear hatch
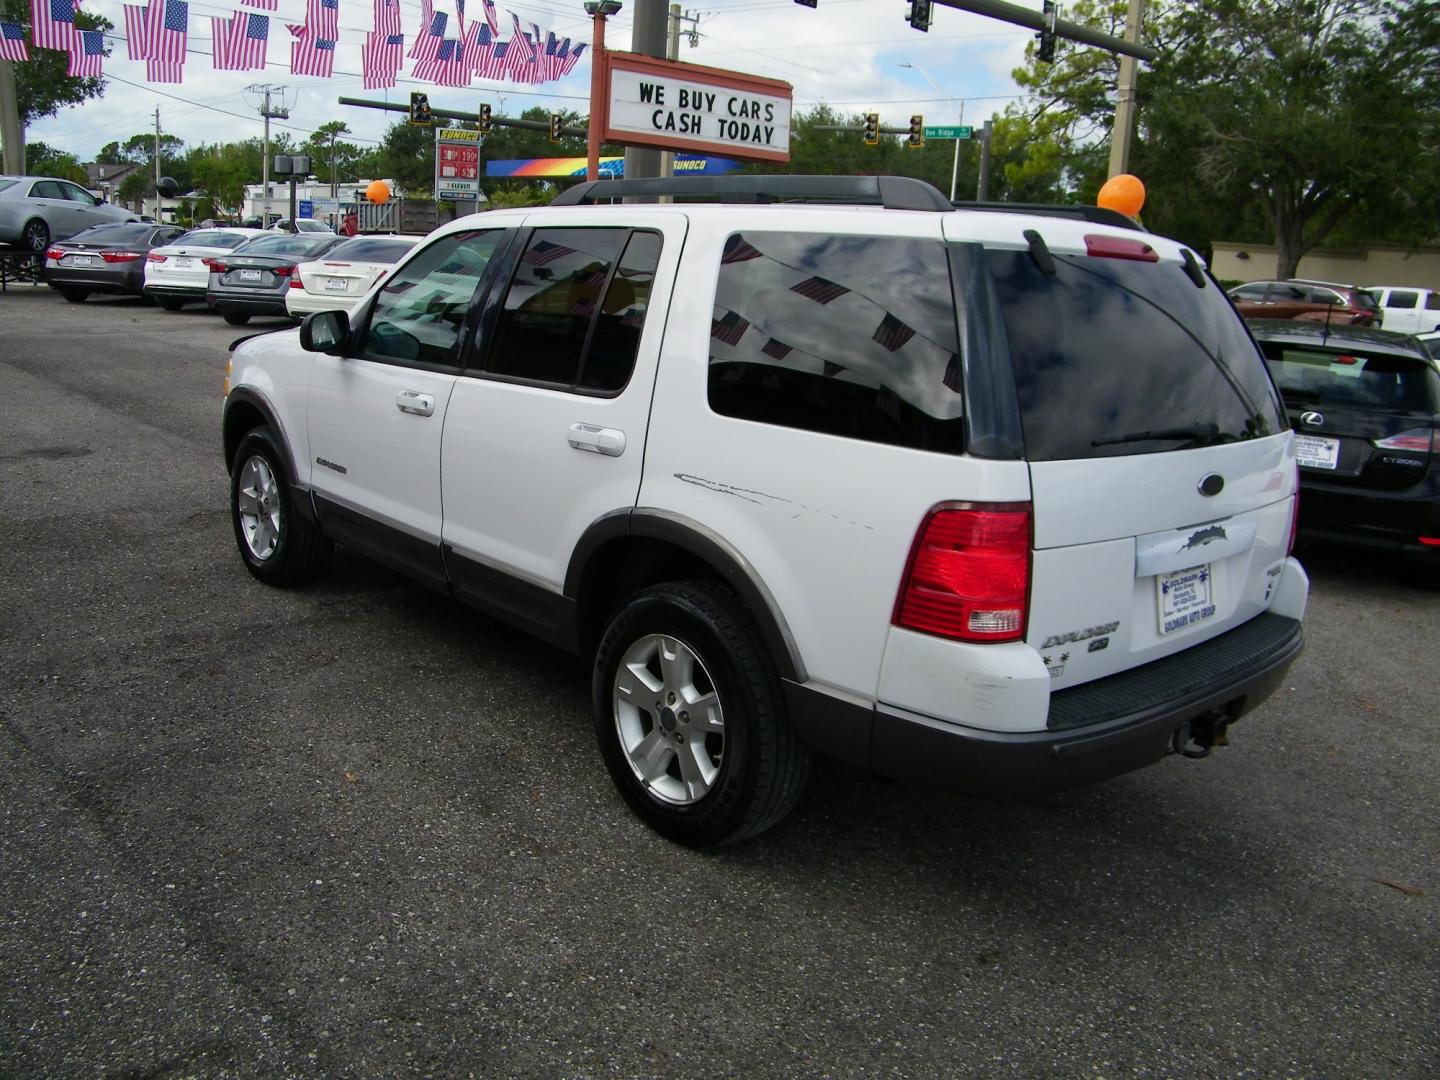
[(1160, 460), (344, 280), (253, 271), (183, 266)]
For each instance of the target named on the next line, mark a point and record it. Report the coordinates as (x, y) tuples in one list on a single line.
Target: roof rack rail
[(1098, 215), (891, 192)]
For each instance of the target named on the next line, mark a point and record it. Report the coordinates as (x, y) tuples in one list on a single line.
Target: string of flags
[(446, 48)]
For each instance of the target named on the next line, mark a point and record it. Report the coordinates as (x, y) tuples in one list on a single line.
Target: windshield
[(215, 238), (371, 250), (1116, 357), (1351, 378), (283, 244)]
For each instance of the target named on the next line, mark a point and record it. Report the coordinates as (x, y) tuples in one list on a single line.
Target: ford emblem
[(1212, 484), (1312, 419)]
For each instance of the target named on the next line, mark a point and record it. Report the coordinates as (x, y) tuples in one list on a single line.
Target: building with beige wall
[(1378, 264)]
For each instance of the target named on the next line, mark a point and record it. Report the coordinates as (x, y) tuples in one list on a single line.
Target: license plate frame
[(1317, 452), (184, 262), (247, 276), (1184, 597), (83, 262), (337, 284)]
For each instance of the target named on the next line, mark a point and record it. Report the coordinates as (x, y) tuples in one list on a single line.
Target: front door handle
[(412, 401), (597, 440)]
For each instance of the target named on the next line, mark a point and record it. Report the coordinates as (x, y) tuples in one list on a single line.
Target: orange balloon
[(378, 191), (1124, 193)]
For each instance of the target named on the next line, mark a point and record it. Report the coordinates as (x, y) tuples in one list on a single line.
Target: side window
[(1398, 299), (1249, 292), (78, 194), (1432, 302), (47, 189), (575, 308), (1325, 296), (418, 315), (846, 335)]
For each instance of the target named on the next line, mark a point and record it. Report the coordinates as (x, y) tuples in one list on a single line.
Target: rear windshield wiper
[(1196, 433)]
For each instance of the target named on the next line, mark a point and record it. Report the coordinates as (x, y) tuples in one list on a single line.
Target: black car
[(253, 279), (1364, 406), (106, 258)]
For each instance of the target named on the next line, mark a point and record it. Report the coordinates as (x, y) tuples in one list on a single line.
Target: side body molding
[(704, 544)]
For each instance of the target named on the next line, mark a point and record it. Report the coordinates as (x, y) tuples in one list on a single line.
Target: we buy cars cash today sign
[(675, 106)]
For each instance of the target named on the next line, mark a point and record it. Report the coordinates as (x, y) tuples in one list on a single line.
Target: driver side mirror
[(325, 332)]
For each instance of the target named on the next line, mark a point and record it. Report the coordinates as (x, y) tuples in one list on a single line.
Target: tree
[(407, 155), (41, 85), (42, 160), (222, 173), (1286, 118), (328, 154)]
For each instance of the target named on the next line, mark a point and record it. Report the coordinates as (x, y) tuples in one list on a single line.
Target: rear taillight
[(295, 282), (1117, 247), (1294, 521), (54, 253), (121, 256), (153, 257), (213, 263), (968, 577), (1416, 440)]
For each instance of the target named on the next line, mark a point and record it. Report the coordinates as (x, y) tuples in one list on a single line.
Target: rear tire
[(35, 236), (236, 318), (279, 545), (690, 717), (75, 296)]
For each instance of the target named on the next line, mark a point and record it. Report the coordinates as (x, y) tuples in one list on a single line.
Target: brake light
[(152, 257), (1417, 440), (54, 253), (968, 576), (1429, 541), (295, 282), (1119, 247), (214, 264), (121, 256)]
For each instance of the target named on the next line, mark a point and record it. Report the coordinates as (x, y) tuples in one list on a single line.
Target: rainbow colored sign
[(611, 167)]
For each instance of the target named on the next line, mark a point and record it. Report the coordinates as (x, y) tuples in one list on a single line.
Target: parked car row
[(1402, 308), (238, 271)]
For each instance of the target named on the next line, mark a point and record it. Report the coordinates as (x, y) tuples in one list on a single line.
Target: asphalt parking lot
[(356, 830)]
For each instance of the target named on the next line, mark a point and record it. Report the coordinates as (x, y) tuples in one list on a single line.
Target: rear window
[(284, 244), (113, 234), (1349, 379), (4, 184), (370, 250), (1362, 299), (215, 238), (846, 335), (1109, 355)]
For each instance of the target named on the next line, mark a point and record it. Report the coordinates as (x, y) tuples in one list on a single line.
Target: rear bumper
[(126, 282), (255, 303), (301, 302), (1370, 518)]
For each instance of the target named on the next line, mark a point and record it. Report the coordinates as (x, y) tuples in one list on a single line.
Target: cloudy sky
[(847, 53)]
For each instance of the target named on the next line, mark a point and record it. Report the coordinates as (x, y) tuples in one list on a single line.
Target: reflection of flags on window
[(86, 55), (820, 290), (830, 369), (954, 376), (52, 23), (729, 329), (12, 42), (543, 251), (737, 250), (776, 349), (381, 58), (892, 333)]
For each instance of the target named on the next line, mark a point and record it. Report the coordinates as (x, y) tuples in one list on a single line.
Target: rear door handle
[(597, 440), (412, 401)]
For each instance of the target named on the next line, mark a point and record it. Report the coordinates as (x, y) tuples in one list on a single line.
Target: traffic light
[(557, 122), (917, 132), (420, 110), (919, 16), (485, 120), (1049, 16), (872, 128)]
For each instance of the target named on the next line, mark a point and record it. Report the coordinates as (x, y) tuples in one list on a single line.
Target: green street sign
[(949, 132)]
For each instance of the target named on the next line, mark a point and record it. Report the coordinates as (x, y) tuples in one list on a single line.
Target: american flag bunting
[(381, 58), (167, 25), (492, 17), (87, 54), (52, 23), (387, 17), (572, 59), (310, 55), (240, 41), (322, 19), (12, 42), (135, 16)]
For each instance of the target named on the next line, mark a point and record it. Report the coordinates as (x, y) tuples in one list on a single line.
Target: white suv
[(1002, 500)]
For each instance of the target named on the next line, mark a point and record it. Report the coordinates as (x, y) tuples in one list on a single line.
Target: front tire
[(279, 545), (35, 236), (690, 717)]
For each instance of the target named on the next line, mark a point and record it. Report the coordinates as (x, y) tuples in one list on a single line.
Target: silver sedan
[(34, 210)]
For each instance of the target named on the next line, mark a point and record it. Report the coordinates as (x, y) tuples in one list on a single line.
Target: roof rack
[(1097, 215), (891, 192)]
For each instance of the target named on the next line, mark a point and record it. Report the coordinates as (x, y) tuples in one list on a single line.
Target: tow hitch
[(1197, 738)]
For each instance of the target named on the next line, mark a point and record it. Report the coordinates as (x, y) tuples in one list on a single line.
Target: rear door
[(1402, 310), (1161, 465)]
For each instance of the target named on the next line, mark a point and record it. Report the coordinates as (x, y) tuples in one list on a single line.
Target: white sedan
[(340, 280), (178, 273)]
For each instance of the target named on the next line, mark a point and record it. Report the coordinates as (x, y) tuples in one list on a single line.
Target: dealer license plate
[(248, 275), (1184, 598), (335, 284), (1316, 451), (80, 260), (182, 263)]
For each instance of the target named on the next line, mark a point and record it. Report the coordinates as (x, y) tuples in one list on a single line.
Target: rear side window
[(575, 308), (846, 335), (1432, 302), (1108, 353), (1398, 299), (1350, 379), (1250, 292)]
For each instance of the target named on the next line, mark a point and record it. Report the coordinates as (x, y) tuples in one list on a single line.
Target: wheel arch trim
[(702, 542), (243, 395)]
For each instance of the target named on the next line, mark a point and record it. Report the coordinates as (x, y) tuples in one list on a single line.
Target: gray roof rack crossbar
[(1097, 215), (892, 192)]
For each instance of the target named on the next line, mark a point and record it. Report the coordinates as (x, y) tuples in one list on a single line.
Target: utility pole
[(672, 52), (1125, 95), (647, 37), (280, 113), (158, 215), (982, 188), (12, 135)]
